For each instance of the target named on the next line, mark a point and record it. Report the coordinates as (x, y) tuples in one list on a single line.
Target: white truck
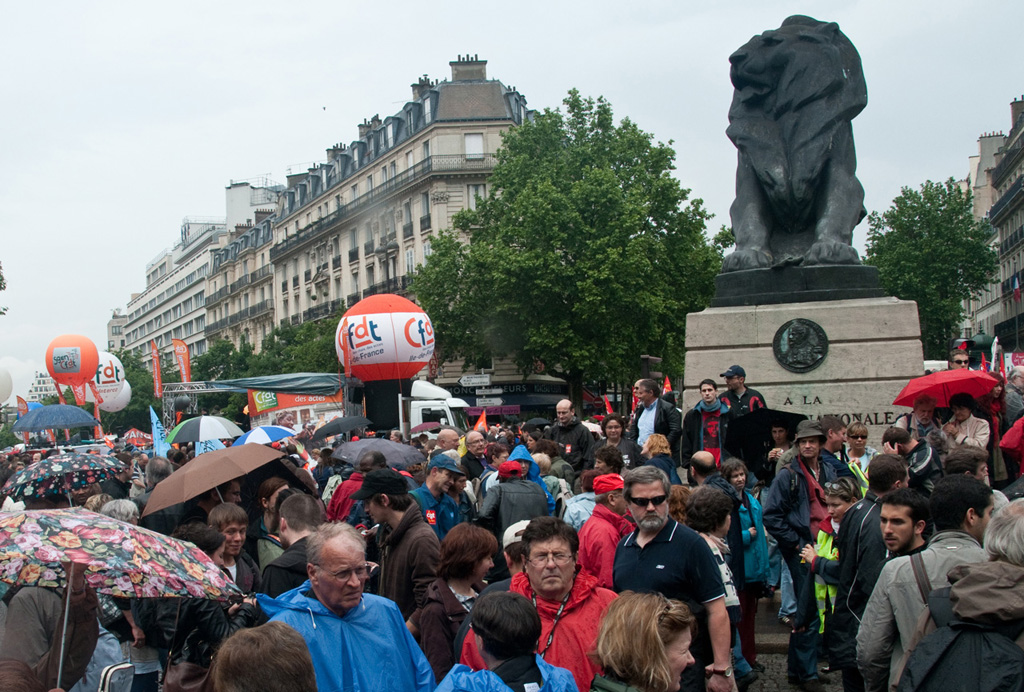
[(428, 403)]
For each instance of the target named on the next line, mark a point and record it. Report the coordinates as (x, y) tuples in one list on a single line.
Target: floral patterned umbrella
[(119, 559), (61, 474)]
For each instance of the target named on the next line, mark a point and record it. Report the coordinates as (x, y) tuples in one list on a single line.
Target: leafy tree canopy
[(929, 248), (584, 255)]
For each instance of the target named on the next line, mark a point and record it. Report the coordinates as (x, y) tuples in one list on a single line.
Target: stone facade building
[(1007, 216)]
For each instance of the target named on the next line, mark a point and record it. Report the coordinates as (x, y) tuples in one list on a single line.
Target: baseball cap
[(514, 533), (443, 461), (384, 481), (510, 469), (608, 482), (734, 371)]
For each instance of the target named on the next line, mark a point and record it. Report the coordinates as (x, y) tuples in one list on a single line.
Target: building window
[(474, 146), (394, 169), (410, 261), (426, 150), (427, 251), (369, 182), (408, 160), (428, 117), (424, 203), (355, 193), (475, 192)]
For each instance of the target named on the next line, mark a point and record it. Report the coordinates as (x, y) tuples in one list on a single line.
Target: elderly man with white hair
[(1014, 395), (921, 421)]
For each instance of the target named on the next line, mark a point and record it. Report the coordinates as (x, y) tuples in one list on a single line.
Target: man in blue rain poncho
[(358, 641)]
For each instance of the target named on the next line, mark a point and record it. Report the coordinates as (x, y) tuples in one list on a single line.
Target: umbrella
[(339, 426), (264, 434), (207, 471), (592, 427), (53, 417), (749, 437), (61, 474), (398, 455), (429, 426), (137, 438), (119, 559), (539, 422), (203, 428), (944, 384)]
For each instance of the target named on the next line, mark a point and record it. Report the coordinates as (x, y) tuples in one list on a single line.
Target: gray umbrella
[(398, 455), (54, 417)]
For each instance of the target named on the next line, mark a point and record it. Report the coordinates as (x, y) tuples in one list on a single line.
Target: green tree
[(585, 255), (3, 287), (929, 248), (8, 438)]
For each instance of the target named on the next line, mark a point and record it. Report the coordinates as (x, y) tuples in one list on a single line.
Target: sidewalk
[(772, 648)]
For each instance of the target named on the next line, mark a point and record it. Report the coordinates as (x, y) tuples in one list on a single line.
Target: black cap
[(384, 481)]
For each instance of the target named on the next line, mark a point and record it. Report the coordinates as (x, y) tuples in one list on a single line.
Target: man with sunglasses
[(959, 360), (673, 560), (349, 633)]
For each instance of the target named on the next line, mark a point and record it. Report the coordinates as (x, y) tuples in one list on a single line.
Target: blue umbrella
[(264, 434), (54, 417)]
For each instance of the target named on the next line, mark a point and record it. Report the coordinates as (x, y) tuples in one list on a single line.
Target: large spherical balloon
[(72, 360), (6, 385), (109, 380), (385, 337), (118, 402)]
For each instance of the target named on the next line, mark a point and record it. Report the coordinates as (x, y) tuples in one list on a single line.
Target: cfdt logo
[(108, 373), (419, 332), (362, 333)]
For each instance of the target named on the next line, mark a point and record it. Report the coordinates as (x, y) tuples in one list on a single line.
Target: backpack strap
[(924, 585)]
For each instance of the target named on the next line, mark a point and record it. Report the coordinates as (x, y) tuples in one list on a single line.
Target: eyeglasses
[(857, 437), (657, 501), (961, 362), (560, 559), (360, 572), (836, 487)]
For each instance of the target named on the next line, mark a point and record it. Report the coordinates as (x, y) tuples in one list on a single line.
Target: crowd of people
[(552, 558)]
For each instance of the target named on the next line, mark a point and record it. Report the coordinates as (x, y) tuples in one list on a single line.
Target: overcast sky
[(123, 118)]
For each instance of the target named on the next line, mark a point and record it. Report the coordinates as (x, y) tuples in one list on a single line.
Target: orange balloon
[(72, 360)]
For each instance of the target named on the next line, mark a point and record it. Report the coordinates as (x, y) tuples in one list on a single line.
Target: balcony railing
[(217, 295), (295, 282), (307, 276), (336, 262), (445, 163), (284, 286), (407, 230), (262, 273), (399, 283), (368, 247), (425, 223), (353, 255), (1012, 194), (240, 283), (353, 298)]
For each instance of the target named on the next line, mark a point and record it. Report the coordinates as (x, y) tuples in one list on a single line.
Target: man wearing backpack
[(960, 507), (795, 503), (972, 638), (862, 553)]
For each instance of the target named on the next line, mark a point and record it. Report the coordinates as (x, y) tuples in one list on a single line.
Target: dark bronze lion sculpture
[(797, 195)]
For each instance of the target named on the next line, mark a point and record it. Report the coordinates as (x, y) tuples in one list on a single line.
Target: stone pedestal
[(873, 349)]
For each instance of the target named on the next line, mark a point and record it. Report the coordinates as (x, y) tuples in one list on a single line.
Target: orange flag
[(481, 422), (182, 357), (22, 410), (667, 387), (158, 387), (608, 406)]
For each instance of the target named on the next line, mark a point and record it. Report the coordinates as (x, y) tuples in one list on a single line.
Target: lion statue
[(797, 194)]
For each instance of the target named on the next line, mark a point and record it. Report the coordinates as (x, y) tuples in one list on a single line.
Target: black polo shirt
[(676, 563)]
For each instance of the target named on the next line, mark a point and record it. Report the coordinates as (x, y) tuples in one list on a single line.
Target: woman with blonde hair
[(644, 644), (658, 454)]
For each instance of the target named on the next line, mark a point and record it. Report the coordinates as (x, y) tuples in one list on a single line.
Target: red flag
[(608, 406), (667, 387), (635, 402), (60, 394), (481, 422), (79, 391), (984, 363), (962, 346), (1016, 289), (22, 410), (98, 430), (158, 387), (182, 357)]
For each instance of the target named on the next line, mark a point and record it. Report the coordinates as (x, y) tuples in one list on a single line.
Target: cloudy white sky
[(122, 118)]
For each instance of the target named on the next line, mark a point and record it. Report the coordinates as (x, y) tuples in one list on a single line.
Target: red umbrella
[(944, 384)]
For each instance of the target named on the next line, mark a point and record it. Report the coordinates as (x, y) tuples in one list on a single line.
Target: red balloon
[(72, 360), (385, 337)]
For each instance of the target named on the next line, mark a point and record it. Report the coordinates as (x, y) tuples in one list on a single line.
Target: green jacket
[(603, 684)]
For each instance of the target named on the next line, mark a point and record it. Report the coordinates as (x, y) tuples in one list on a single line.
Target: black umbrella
[(538, 422), (54, 417), (749, 437), (339, 426), (398, 455)]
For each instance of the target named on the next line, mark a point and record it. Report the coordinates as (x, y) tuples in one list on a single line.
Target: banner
[(22, 410), (98, 430), (182, 358), (78, 390), (204, 446), (158, 385), (265, 402), (160, 446)]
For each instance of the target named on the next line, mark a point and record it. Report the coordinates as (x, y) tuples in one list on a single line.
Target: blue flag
[(204, 446), (160, 446)]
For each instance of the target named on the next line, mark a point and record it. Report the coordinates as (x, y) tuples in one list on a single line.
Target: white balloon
[(6, 385), (118, 402), (109, 380)]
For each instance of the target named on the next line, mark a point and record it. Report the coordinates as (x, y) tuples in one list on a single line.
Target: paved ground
[(772, 646)]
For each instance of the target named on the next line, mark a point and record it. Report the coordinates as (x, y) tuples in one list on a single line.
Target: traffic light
[(645, 368)]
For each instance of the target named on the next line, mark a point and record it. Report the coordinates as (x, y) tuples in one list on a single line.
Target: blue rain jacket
[(368, 650), (464, 679), (519, 454)]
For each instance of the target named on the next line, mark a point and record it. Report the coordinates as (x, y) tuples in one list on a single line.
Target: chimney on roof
[(261, 214), (336, 151), (467, 68), (1016, 108), (364, 128), (420, 88)]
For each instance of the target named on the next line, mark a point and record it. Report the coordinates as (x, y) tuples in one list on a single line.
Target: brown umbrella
[(207, 471)]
